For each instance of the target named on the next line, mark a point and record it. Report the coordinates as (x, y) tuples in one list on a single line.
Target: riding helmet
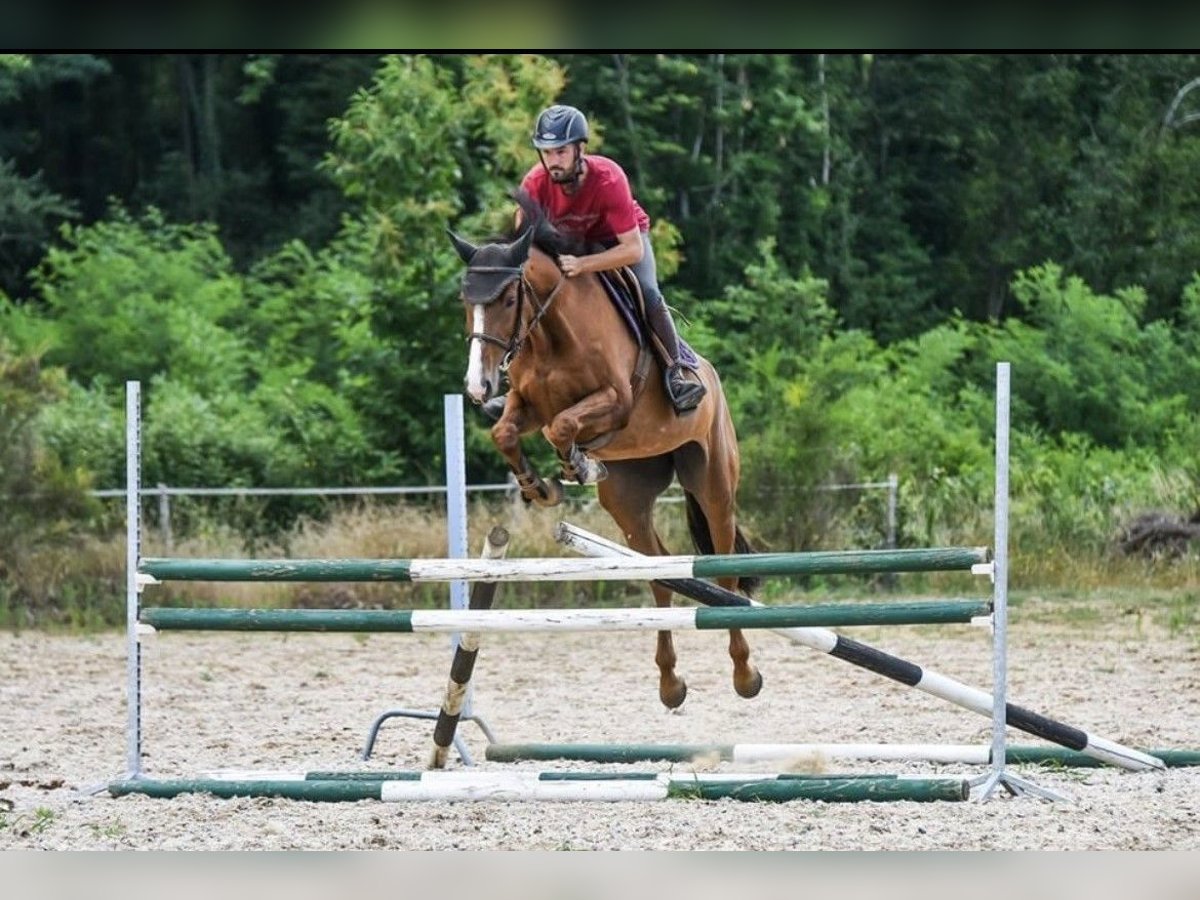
[(558, 126)]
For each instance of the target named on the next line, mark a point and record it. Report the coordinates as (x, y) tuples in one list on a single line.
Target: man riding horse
[(588, 196)]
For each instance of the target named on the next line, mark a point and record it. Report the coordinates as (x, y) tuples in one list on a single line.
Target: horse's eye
[(509, 301)]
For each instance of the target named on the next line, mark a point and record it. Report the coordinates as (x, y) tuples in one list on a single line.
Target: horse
[(577, 372)]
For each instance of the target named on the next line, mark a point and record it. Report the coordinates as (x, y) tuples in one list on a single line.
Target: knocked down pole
[(866, 657)]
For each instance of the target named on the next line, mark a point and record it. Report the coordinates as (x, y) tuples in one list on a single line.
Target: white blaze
[(475, 361)]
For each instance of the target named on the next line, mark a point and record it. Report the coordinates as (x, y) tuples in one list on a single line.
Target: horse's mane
[(546, 237)]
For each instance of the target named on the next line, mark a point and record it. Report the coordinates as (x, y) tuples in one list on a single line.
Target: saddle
[(625, 292)]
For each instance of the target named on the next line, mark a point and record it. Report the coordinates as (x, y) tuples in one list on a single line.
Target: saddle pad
[(629, 306)]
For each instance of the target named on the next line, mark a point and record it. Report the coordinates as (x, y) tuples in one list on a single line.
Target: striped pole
[(631, 619), (969, 754), (495, 545), (633, 569), (524, 786), (885, 664)]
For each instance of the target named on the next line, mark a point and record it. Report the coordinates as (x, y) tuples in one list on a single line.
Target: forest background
[(855, 240)]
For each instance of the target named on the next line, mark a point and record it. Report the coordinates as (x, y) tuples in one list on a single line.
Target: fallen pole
[(885, 664)]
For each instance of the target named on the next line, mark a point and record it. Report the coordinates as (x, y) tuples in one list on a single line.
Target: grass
[(1173, 610), (42, 818), (80, 587), (113, 831)]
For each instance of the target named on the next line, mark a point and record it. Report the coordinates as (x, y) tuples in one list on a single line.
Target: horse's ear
[(520, 247), (466, 250)]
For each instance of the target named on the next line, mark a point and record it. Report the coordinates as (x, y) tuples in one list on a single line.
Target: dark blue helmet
[(558, 126)]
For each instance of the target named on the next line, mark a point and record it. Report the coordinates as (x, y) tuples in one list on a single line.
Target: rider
[(588, 196)]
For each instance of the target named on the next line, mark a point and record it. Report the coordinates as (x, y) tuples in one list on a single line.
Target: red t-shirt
[(601, 209)]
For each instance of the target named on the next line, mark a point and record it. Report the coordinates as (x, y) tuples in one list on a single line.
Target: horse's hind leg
[(710, 488), (628, 495)]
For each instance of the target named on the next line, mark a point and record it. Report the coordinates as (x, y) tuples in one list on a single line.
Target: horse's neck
[(580, 313)]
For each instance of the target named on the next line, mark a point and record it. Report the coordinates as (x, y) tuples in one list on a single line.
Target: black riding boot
[(684, 390)]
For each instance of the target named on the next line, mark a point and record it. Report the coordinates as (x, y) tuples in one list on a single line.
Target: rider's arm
[(626, 252)]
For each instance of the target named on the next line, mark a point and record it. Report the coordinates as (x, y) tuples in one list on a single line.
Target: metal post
[(456, 540), (164, 516), (456, 493), (1000, 575), (893, 498), (998, 775), (133, 468), (456, 508)]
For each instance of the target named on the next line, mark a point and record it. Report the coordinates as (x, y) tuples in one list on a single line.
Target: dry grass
[(398, 530), (83, 585)]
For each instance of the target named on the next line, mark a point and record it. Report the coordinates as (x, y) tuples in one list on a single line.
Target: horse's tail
[(703, 542)]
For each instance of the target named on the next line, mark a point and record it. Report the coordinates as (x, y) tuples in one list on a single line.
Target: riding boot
[(683, 389), (494, 408)]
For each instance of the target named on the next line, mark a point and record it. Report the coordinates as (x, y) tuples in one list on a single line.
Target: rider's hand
[(571, 265)]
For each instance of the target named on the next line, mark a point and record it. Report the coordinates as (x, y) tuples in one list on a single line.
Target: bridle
[(516, 340)]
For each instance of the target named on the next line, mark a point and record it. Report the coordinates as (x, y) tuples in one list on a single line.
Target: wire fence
[(163, 494)]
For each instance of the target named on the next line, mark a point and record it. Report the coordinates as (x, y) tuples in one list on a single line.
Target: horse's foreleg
[(598, 413), (506, 435)]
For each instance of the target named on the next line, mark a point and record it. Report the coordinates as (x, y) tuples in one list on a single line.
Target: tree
[(43, 501), (427, 141)]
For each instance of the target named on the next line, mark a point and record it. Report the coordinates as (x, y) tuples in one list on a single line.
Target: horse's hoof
[(590, 471), (672, 693), (751, 689), (552, 496), (582, 469)]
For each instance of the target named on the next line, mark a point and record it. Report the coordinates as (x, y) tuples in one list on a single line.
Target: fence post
[(893, 492), (164, 516)]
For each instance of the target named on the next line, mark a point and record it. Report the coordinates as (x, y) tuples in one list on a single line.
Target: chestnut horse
[(577, 372)]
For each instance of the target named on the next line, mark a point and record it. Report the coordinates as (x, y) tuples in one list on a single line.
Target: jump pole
[(794, 754), (882, 663), (565, 786), (845, 562), (413, 621)]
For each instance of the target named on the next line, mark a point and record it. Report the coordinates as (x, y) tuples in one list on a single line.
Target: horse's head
[(493, 296)]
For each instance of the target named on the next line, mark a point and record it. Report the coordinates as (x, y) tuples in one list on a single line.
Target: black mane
[(546, 237)]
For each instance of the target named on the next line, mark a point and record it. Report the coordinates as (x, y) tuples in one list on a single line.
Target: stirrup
[(685, 395), (494, 408)]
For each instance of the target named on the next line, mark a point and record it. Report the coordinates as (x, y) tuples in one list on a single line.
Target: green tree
[(137, 298), (1085, 362), (411, 148), (44, 501)]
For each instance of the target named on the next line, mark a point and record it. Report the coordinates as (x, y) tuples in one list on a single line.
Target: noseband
[(516, 340)]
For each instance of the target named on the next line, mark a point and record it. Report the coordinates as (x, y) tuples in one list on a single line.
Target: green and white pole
[(473, 785), (639, 568)]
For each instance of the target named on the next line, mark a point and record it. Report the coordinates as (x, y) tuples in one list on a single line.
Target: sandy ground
[(305, 701)]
